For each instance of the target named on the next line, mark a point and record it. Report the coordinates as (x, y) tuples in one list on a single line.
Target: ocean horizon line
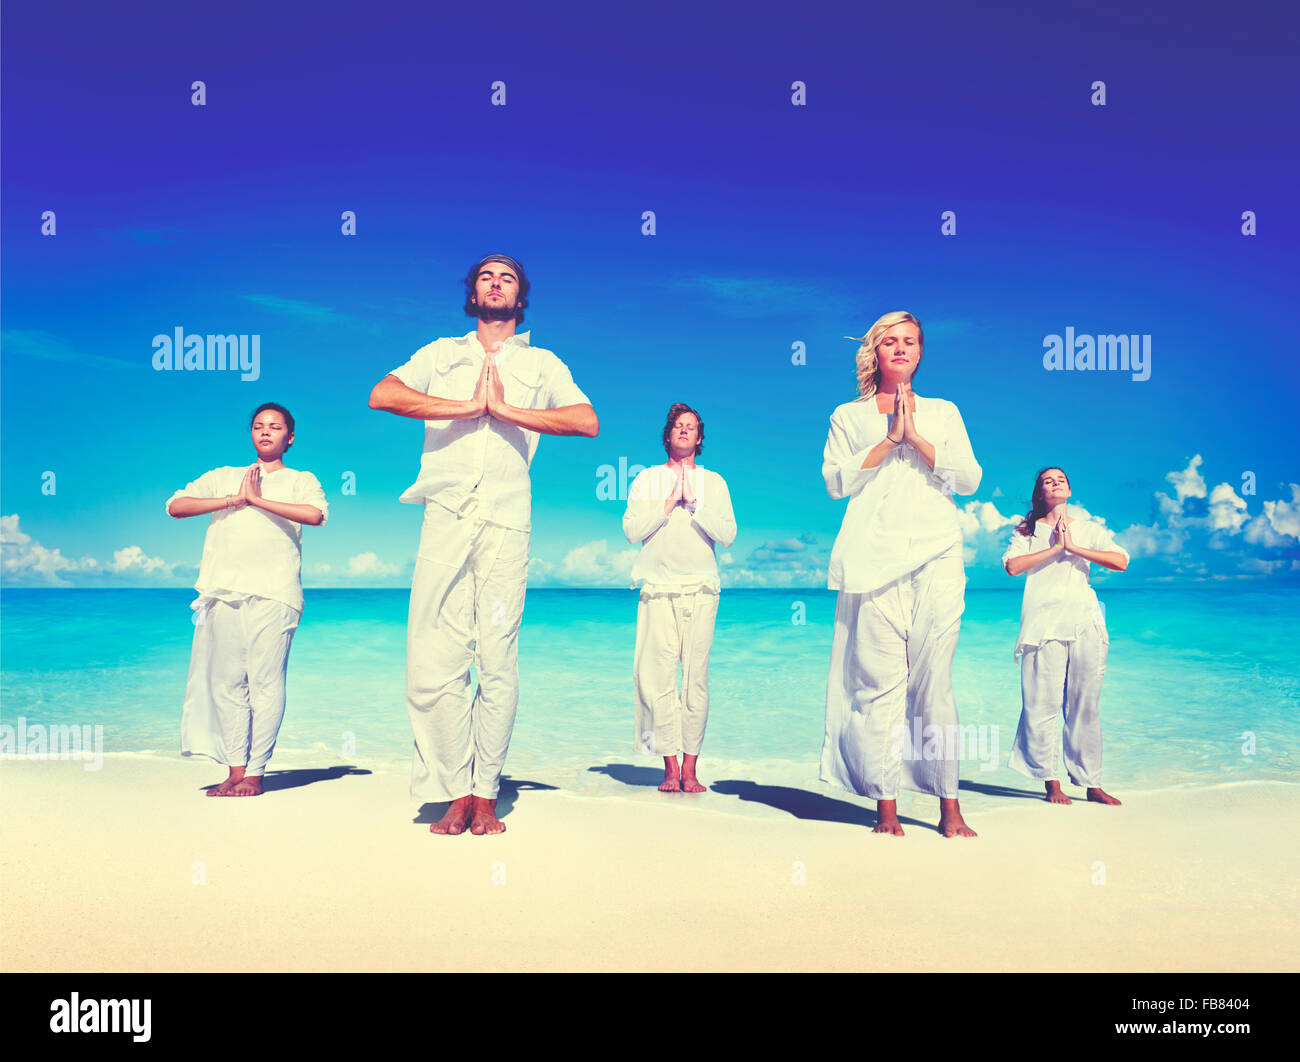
[(1220, 584)]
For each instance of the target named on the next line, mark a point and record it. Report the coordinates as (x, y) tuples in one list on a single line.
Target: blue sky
[(776, 224)]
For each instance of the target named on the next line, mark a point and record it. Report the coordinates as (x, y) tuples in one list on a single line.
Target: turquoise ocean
[(1201, 686)]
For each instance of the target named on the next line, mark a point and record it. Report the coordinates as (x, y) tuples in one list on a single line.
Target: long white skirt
[(234, 695), (891, 718), (1062, 678)]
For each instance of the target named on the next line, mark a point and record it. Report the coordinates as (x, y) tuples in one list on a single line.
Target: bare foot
[(672, 776), (1054, 793), (485, 817), (690, 784), (1099, 796), (232, 779), (456, 818), (951, 824), (887, 818), (249, 785)]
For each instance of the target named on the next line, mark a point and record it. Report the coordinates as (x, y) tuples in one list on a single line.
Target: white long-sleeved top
[(677, 548), (1058, 596), (484, 459), (900, 513), (248, 550)]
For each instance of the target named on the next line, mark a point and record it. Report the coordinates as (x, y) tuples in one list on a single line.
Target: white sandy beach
[(132, 868)]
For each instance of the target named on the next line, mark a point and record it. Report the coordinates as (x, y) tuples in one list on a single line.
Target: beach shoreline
[(131, 868)]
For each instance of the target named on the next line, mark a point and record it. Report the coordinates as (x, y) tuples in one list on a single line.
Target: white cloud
[(1285, 516), (363, 569), (24, 560), (595, 564), (1226, 528), (1227, 510), (368, 565), (1259, 566), (984, 531), (794, 562), (27, 562), (134, 561), (1188, 483), (1151, 541), (1170, 508), (977, 516)]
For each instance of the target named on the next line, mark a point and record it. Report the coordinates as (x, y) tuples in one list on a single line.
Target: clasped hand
[(250, 488), (902, 428), (682, 490), (490, 394), (1063, 540)]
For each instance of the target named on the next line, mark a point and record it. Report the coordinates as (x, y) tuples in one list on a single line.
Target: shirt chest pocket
[(455, 379), (522, 383)]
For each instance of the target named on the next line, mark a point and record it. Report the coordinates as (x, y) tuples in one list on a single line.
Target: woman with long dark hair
[(1063, 641)]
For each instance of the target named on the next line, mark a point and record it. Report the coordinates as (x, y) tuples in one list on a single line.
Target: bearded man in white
[(484, 397), (678, 511)]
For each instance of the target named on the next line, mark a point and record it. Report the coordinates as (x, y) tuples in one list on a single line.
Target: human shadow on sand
[(294, 779), (797, 802), (805, 805), (629, 774), (506, 797), (988, 789)]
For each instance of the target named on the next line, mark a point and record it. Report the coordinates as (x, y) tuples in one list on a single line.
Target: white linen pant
[(891, 718), (672, 629), (234, 695), (467, 601), (1062, 678)]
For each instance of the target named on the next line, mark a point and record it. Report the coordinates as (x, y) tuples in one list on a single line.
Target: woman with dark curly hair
[(249, 603)]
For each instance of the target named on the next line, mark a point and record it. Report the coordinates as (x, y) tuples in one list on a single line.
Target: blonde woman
[(898, 457)]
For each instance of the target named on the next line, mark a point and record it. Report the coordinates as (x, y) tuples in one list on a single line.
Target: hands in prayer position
[(682, 492), (490, 394), (900, 422), (250, 487), (1064, 543), (902, 425)]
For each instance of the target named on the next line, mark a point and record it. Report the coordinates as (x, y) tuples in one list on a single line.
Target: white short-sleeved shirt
[(483, 462), (900, 513), (1058, 597), (677, 548), (249, 551)]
